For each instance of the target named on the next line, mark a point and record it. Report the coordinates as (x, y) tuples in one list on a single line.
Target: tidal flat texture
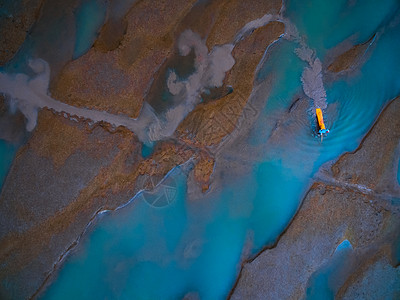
[(171, 149)]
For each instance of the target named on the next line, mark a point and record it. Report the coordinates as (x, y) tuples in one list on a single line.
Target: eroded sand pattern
[(169, 149)]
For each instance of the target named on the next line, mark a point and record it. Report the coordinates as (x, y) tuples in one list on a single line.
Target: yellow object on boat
[(321, 124), (320, 118)]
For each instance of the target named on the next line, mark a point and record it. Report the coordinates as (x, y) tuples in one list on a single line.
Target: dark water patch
[(216, 93), (111, 35), (396, 249), (159, 96), (12, 136), (16, 20), (398, 173), (9, 8), (114, 29), (318, 20), (52, 38), (325, 282), (147, 149), (90, 16), (7, 153)]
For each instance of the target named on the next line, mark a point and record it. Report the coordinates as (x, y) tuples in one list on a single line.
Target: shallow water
[(327, 23), (90, 17), (7, 153), (196, 245), (398, 173), (324, 283), (147, 150)]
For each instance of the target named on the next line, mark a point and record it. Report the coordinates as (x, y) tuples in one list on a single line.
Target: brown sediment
[(12, 125), (329, 214), (235, 14), (203, 170), (351, 289), (39, 230), (111, 35), (114, 179), (210, 122), (349, 58), (24, 249), (379, 147), (202, 17), (117, 81), (216, 93), (167, 157), (334, 209), (96, 81), (15, 27), (56, 139), (3, 107)]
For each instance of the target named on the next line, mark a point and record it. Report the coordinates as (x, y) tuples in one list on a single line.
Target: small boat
[(321, 124)]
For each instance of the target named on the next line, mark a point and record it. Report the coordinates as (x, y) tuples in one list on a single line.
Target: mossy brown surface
[(3, 108), (111, 35), (235, 14), (117, 81), (349, 58), (14, 28), (203, 170), (328, 215), (210, 122), (380, 174), (47, 210), (56, 139)]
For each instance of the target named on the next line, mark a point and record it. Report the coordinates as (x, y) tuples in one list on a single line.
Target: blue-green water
[(327, 23), (7, 153), (147, 150), (142, 252), (196, 246), (324, 283), (398, 173), (90, 17)]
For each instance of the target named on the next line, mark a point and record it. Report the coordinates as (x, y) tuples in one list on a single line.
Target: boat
[(321, 124)]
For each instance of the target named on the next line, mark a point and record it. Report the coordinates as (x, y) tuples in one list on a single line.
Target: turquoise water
[(90, 17), (147, 150), (196, 245), (9, 8), (398, 173), (324, 283), (7, 153), (396, 251), (327, 23), (286, 68)]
